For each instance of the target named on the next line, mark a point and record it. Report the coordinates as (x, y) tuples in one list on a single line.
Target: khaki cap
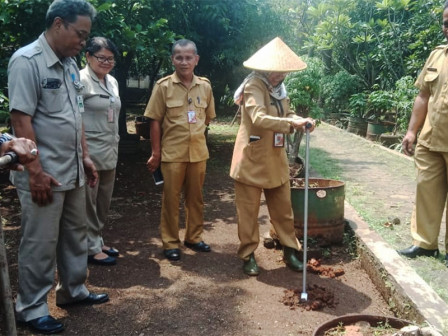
[(275, 56)]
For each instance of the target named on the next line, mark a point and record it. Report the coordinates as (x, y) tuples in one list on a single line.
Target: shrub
[(380, 106), (304, 89), (404, 96), (4, 116), (357, 104), (336, 91), (4, 108)]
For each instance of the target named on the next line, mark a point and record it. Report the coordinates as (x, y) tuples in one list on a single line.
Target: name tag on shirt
[(279, 140), (110, 114), (80, 101), (192, 117)]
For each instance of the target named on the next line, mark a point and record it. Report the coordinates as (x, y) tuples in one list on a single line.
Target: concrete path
[(380, 185)]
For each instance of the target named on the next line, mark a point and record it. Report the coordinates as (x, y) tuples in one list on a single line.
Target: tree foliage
[(373, 43)]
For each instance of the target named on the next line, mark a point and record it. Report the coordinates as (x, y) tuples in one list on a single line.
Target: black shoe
[(91, 299), (172, 254), (111, 252), (198, 247), (250, 266), (46, 325), (109, 261), (415, 251)]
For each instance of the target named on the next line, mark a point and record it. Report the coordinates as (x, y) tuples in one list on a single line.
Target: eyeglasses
[(83, 35), (104, 59)]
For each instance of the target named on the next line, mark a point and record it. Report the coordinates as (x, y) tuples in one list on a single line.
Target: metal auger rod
[(304, 295)]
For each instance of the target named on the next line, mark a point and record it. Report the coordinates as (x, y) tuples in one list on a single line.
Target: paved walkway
[(380, 185)]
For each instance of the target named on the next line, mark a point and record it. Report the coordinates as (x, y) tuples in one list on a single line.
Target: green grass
[(221, 140), (358, 196), (323, 164)]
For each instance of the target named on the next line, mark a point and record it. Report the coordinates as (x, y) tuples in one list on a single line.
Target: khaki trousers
[(431, 197), (98, 201), (247, 199), (189, 177), (51, 234)]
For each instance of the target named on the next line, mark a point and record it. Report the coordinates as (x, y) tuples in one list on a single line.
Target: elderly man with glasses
[(46, 106)]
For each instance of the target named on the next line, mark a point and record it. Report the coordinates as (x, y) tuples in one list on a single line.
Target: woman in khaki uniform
[(259, 160), (101, 110)]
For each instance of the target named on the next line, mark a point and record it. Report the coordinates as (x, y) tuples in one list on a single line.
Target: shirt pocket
[(175, 109), (431, 75), (255, 151), (52, 100), (200, 105)]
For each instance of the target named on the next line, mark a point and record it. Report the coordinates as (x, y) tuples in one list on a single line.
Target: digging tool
[(304, 295)]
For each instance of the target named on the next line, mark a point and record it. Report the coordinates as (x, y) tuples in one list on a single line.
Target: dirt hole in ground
[(318, 297)]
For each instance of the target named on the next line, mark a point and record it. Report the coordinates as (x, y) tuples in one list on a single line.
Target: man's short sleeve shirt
[(47, 89), (434, 79), (170, 103)]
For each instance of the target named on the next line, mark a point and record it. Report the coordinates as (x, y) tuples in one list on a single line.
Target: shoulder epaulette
[(32, 51), (163, 79), (204, 79)]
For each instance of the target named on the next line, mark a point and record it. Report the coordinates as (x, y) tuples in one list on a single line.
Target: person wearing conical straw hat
[(259, 162)]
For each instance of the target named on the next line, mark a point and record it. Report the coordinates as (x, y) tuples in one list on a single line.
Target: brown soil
[(204, 293)]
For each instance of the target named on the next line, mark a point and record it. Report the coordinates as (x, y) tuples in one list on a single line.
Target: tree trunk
[(121, 74)]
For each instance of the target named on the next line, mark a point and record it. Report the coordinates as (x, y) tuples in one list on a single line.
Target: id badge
[(192, 117), (110, 115), (80, 101), (279, 140)]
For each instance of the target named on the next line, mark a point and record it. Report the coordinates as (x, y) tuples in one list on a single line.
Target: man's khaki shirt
[(47, 88), (169, 104), (434, 78)]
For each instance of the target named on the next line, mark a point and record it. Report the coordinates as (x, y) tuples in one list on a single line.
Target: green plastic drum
[(325, 209)]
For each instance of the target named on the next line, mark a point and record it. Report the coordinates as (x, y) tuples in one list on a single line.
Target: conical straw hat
[(275, 56)]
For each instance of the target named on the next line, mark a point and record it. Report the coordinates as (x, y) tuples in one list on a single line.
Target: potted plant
[(381, 114), (403, 100), (357, 122)]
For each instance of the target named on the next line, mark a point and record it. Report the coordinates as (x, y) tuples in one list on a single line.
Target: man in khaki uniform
[(46, 106), (181, 106), (431, 153), (259, 162)]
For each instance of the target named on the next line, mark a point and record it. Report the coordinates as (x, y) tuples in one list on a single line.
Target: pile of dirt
[(300, 183), (315, 267), (318, 297)]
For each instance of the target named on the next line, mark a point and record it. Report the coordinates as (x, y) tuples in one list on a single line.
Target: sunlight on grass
[(322, 163), (221, 139)]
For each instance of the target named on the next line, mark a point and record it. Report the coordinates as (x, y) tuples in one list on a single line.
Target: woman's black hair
[(97, 43)]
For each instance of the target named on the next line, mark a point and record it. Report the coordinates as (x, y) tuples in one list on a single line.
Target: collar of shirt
[(50, 56), (177, 80)]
